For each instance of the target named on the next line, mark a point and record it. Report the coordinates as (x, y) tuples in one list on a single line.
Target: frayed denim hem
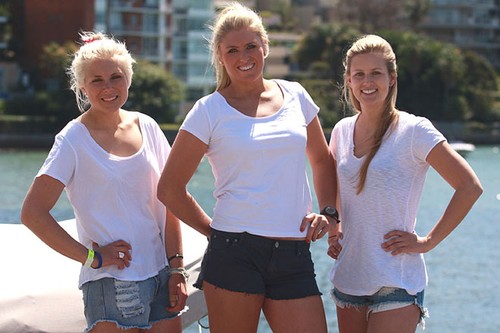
[(142, 327), (385, 306), (124, 327)]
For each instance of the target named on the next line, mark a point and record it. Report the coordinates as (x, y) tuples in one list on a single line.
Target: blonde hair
[(233, 17), (373, 44), (97, 45)]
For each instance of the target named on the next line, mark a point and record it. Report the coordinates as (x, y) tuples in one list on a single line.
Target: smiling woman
[(109, 162), (258, 135)]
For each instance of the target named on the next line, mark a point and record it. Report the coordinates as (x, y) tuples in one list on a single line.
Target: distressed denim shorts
[(387, 298), (129, 304), (246, 263)]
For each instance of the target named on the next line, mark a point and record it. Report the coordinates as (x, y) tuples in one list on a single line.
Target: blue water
[(463, 295)]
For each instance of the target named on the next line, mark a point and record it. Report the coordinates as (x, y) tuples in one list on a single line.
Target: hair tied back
[(88, 39)]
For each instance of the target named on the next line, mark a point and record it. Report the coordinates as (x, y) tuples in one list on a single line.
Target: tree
[(155, 92), (319, 57), (374, 15)]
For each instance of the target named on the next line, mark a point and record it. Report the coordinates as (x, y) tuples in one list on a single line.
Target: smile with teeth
[(246, 68), (109, 99), (368, 91)]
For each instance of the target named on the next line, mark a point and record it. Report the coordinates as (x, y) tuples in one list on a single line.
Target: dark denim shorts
[(128, 304), (246, 263)]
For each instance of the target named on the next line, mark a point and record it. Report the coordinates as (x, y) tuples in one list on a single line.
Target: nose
[(107, 84)]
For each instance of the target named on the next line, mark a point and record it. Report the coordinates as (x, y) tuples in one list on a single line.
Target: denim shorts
[(246, 263), (387, 298), (129, 304)]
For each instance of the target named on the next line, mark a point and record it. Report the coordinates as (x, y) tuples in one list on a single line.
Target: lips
[(109, 99), (368, 91), (246, 68)]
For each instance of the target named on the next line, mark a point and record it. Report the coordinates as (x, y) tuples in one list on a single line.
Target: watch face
[(330, 211)]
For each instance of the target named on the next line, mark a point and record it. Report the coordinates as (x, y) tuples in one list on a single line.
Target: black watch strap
[(331, 212)]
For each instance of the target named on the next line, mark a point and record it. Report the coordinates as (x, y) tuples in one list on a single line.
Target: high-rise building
[(172, 33), (469, 24)]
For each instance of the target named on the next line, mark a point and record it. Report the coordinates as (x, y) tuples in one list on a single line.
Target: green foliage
[(155, 92), (435, 79)]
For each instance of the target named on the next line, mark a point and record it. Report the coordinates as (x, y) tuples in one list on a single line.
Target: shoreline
[(45, 141)]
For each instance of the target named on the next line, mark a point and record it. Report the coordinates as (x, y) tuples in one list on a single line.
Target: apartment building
[(172, 33), (35, 23), (469, 24)]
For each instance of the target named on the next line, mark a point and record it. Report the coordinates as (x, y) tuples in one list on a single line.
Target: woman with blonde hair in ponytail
[(382, 155), (257, 135)]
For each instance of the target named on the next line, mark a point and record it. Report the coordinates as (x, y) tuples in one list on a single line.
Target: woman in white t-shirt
[(257, 135), (382, 155), (109, 161)]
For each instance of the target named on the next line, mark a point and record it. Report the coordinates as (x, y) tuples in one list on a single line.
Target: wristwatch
[(331, 212)]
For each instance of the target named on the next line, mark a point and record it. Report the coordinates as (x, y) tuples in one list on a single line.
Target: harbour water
[(463, 295)]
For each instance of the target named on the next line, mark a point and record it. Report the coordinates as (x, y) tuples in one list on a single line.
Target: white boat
[(39, 287), (463, 148)]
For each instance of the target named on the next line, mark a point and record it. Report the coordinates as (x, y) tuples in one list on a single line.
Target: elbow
[(478, 189), (161, 194), (166, 193), (28, 216), (474, 189)]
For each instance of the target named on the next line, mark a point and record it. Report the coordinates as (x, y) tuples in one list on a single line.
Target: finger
[(306, 221), (173, 299)]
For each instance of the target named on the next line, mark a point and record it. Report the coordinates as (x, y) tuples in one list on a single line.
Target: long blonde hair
[(233, 17), (96, 45), (370, 44)]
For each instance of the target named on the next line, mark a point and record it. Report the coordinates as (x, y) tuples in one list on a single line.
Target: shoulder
[(73, 129), (290, 86), (346, 122), (411, 121)]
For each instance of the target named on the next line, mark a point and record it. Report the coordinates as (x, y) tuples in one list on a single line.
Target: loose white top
[(388, 201), (114, 197), (259, 164)]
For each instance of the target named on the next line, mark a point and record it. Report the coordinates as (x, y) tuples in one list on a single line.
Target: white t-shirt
[(259, 164), (114, 197), (388, 201)]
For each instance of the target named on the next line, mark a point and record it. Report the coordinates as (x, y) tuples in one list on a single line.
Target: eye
[(116, 77), (251, 46), (96, 80), (233, 50)]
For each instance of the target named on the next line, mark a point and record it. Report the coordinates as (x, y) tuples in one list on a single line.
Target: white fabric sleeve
[(425, 138), (60, 162), (197, 122)]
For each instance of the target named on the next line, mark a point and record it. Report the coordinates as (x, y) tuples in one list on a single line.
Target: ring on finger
[(121, 255)]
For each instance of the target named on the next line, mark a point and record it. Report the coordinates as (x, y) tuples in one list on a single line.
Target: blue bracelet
[(99, 259)]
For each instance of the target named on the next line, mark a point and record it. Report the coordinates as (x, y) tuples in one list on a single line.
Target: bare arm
[(182, 163), (323, 169), (35, 214), (460, 176), (173, 246)]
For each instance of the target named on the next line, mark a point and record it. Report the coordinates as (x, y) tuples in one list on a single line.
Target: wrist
[(179, 270)]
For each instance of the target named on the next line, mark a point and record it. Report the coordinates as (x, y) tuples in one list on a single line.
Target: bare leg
[(403, 320), (303, 315), (230, 311), (352, 319), (170, 326), (109, 327)]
